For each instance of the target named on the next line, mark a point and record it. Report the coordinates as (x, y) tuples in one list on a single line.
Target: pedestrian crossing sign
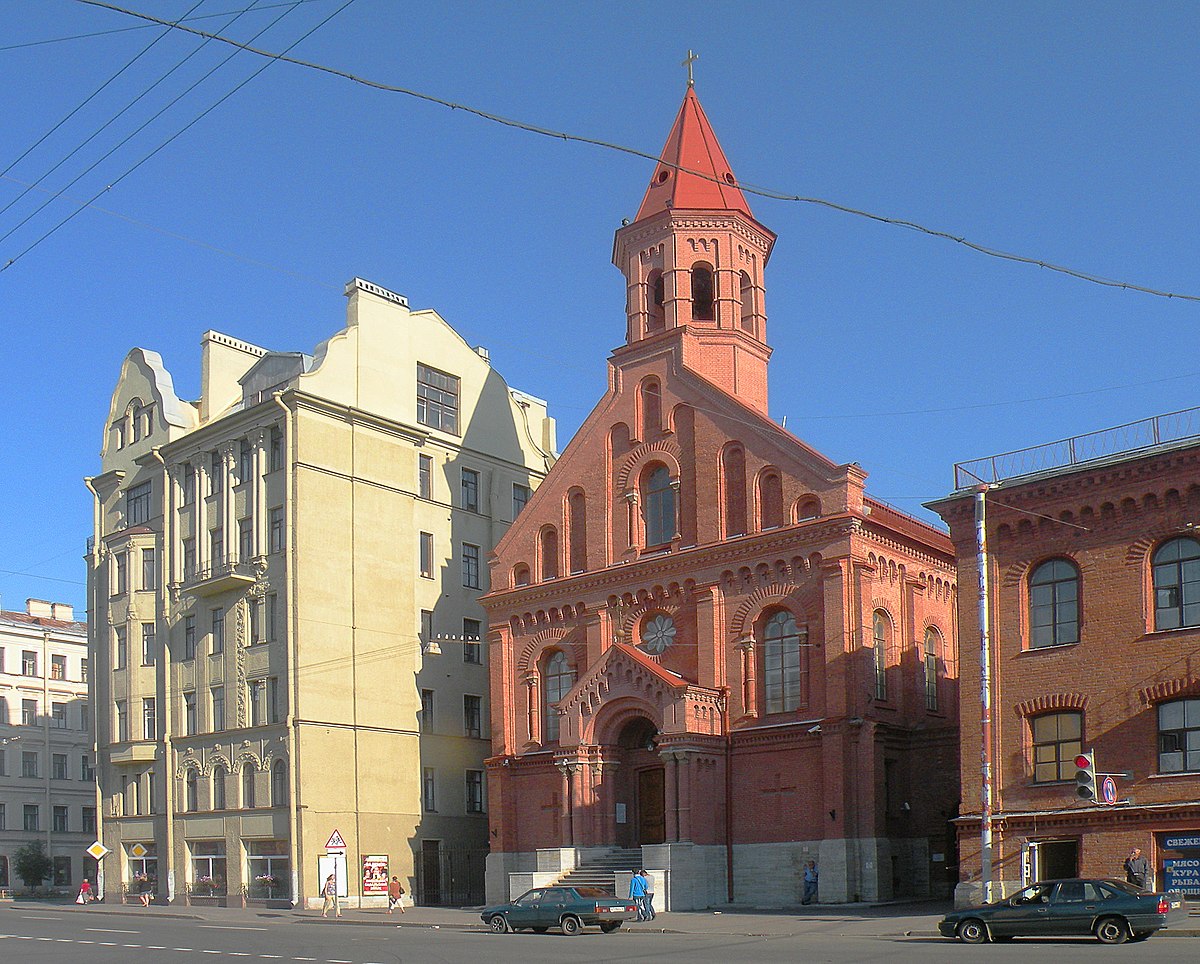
[(335, 841)]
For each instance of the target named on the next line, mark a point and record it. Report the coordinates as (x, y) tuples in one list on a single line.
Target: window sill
[(1193, 774), (1151, 634), (1057, 647)]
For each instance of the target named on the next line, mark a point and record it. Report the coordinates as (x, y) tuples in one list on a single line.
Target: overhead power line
[(8, 264), (609, 145)]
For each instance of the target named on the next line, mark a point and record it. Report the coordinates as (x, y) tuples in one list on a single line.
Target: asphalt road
[(37, 935)]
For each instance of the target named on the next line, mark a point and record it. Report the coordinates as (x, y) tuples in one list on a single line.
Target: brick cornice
[(1168, 689), (1049, 703)]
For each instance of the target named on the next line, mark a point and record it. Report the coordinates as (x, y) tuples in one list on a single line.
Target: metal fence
[(449, 877), (1128, 438)]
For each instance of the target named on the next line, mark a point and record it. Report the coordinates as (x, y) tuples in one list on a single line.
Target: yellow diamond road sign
[(138, 851), (98, 851)]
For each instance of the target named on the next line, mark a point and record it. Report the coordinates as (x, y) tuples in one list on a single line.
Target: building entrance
[(652, 807), (1052, 860)]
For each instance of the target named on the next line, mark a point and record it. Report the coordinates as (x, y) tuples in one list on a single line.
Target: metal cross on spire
[(690, 59)]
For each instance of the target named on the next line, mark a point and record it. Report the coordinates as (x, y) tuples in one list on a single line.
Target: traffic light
[(1085, 775)]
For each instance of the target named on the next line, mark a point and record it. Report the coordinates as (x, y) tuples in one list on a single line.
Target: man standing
[(331, 897), (810, 882), (637, 893), (1137, 870)]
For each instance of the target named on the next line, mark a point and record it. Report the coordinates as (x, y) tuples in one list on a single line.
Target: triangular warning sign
[(335, 841)]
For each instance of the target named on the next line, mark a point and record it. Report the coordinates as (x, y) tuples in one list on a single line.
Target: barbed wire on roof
[(625, 149)]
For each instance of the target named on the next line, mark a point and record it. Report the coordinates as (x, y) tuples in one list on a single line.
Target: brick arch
[(605, 725), (538, 644), (1169, 689), (1049, 703), (759, 601), (664, 450)]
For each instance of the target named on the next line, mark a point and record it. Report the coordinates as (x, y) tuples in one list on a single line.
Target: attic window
[(729, 178), (662, 176), (702, 293)]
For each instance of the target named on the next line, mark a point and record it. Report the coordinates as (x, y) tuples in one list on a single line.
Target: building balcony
[(218, 577), (133, 753)]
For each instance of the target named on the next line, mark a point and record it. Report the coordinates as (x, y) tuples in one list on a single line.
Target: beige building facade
[(47, 766), (284, 586)]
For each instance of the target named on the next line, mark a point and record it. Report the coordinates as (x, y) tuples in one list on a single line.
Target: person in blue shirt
[(637, 893), (810, 882)]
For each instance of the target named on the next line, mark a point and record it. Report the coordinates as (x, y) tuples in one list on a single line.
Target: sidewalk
[(852, 920)]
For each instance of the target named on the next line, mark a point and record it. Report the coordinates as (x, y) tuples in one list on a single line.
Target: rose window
[(658, 633)]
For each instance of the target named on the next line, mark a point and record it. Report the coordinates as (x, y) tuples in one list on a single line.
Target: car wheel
[(571, 925), (610, 926), (498, 924), (1112, 930), (540, 930), (972, 931)]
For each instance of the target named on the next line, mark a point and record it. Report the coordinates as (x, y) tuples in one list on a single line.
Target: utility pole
[(985, 695)]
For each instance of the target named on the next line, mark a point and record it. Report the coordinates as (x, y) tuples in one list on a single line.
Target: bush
[(32, 865)]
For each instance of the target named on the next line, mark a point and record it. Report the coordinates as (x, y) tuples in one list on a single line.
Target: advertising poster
[(375, 875)]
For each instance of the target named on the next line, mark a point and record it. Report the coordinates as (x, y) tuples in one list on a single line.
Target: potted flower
[(202, 886), (267, 882)]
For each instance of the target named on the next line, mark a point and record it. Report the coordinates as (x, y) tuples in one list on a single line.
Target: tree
[(32, 865)]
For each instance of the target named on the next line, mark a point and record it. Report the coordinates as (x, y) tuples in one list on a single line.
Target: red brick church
[(706, 640)]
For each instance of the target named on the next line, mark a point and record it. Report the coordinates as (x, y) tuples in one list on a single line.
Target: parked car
[(571, 908), (1111, 910)]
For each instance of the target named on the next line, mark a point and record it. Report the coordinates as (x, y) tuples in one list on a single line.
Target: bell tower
[(693, 261)]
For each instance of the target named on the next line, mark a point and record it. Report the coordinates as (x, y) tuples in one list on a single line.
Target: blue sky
[(1058, 131)]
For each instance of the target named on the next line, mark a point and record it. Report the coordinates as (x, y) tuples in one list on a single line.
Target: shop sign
[(1182, 875)]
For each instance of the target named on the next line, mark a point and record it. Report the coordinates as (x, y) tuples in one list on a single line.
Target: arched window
[(1053, 604), (577, 531), (733, 470), (218, 787), (651, 400), (932, 648), (881, 631), (248, 786), (558, 679), (770, 500), (747, 292), (659, 503), (703, 302), (656, 298), (784, 683), (1056, 739), (192, 792), (279, 784), (1177, 584), (549, 548), (808, 507), (521, 575)]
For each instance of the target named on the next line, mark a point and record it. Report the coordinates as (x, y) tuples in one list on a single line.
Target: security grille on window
[(1179, 736), (437, 399), (470, 490), (474, 791), (470, 564), (1057, 740), (137, 504), (472, 646)]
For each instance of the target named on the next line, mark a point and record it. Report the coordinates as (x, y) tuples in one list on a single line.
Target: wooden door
[(652, 809)]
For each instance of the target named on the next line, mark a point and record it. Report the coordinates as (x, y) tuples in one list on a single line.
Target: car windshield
[(1034, 894), (591, 893), (526, 899)]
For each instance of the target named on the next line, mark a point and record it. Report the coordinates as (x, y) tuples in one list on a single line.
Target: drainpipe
[(728, 794), (163, 667), (291, 623), (93, 688), (985, 694)]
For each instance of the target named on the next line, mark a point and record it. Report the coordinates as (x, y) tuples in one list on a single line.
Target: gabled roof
[(692, 146)]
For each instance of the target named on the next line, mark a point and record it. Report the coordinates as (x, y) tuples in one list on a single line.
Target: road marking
[(186, 950), (229, 927), (32, 917), (108, 930)]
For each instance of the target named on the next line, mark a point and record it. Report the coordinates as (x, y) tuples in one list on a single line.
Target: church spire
[(692, 172)]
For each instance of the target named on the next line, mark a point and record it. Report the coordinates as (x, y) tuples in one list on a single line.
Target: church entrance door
[(652, 806)]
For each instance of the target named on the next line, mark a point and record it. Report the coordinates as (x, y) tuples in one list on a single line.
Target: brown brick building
[(707, 641), (1094, 592)]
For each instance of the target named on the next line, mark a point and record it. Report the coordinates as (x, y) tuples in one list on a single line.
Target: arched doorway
[(641, 786)]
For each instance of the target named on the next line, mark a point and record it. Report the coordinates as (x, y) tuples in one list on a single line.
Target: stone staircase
[(599, 870)]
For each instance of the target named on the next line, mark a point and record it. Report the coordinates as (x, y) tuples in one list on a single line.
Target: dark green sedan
[(571, 908), (1110, 910)]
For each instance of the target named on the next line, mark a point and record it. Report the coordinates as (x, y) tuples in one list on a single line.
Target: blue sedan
[(569, 908)]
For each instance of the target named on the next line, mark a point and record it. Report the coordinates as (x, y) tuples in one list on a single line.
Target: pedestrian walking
[(637, 893), (144, 890), (395, 892), (85, 892), (330, 891), (648, 899), (1137, 869), (810, 882)]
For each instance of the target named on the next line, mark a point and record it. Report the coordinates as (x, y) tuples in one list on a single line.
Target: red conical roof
[(692, 146)]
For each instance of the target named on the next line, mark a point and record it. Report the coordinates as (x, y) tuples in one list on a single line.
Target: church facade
[(706, 641)]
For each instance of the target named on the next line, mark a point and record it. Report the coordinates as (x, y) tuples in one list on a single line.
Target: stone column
[(631, 530), (671, 801), (531, 694), (675, 488), (749, 676), (568, 782), (684, 763), (201, 533), (172, 529), (229, 536), (260, 542)]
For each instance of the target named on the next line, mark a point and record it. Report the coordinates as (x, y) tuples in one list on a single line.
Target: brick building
[(1094, 592), (706, 641)]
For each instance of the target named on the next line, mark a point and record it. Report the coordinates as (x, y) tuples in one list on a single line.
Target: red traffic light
[(1083, 761)]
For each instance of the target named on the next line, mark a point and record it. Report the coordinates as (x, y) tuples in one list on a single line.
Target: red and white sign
[(1108, 790), (335, 841)]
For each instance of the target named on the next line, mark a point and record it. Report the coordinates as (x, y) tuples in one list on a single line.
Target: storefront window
[(208, 868), (268, 874), (143, 870)]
